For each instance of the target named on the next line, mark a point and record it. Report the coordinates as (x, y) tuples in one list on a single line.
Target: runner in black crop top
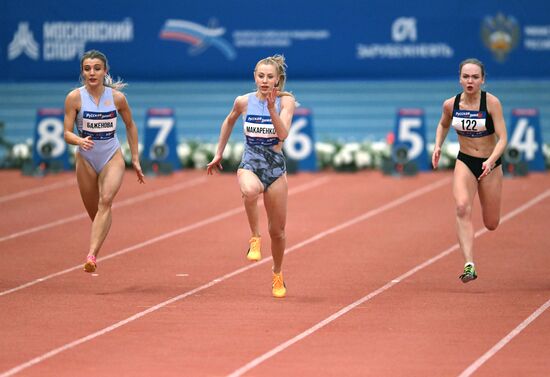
[(482, 139)]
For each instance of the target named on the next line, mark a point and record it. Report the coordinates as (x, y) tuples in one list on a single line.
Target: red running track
[(371, 270)]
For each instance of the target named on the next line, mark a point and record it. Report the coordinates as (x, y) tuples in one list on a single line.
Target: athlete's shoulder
[(117, 94), (241, 101), (287, 98), (493, 104), (448, 105), (73, 99), (491, 98), (74, 93)]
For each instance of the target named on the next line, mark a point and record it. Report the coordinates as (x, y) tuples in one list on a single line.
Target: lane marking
[(185, 229), (216, 281), (504, 341), (281, 347), (122, 203), (37, 190)]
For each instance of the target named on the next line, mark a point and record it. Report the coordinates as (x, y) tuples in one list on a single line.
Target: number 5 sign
[(300, 143), (410, 131), (525, 135)]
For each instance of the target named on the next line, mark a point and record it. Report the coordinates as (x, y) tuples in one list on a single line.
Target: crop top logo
[(99, 116), (469, 114), (258, 119)]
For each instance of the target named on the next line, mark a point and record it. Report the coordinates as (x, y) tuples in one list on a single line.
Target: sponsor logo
[(277, 38), (23, 43), (199, 37), (537, 37), (469, 114), (404, 34), (63, 41), (500, 34), (90, 115), (403, 29)]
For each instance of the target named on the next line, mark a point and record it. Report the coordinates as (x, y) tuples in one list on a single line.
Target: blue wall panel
[(204, 40)]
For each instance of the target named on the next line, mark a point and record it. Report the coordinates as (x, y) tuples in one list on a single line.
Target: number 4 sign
[(525, 136)]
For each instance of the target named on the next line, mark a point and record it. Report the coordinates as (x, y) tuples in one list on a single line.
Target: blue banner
[(221, 40)]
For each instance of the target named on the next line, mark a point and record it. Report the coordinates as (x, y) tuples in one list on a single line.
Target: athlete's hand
[(86, 143), (271, 97), (435, 157), (139, 172), (487, 166), (215, 164)]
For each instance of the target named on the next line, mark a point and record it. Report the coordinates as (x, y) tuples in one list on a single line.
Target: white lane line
[(37, 190), (123, 203), (281, 347), (216, 281), (504, 341), (198, 224)]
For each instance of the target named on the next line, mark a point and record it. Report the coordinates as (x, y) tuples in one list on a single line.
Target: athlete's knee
[(463, 210), (106, 201), (277, 232), (250, 192)]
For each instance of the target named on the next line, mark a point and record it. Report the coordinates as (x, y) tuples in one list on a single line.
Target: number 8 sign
[(49, 144)]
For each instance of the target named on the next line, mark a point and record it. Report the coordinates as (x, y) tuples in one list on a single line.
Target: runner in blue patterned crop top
[(267, 115), (477, 118), (99, 164)]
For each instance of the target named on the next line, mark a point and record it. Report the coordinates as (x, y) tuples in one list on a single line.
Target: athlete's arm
[(225, 132), (72, 105), (442, 130), (131, 131), (283, 120), (495, 109)]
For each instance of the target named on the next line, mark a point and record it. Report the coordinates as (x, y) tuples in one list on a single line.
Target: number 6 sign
[(300, 143)]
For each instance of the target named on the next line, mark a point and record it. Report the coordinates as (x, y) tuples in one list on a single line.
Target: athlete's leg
[(251, 188), (275, 201), (490, 192), (86, 177), (109, 182), (464, 191)]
